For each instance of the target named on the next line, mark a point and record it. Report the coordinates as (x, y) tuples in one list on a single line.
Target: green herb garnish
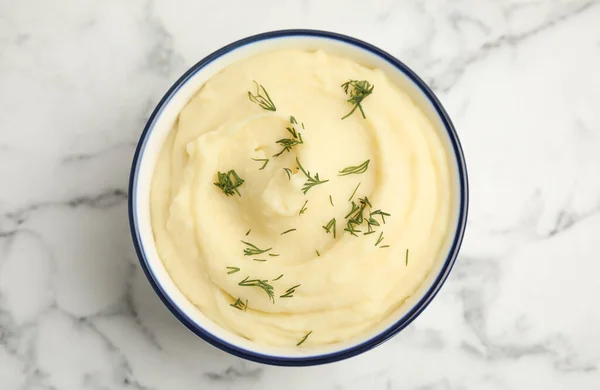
[(253, 250), (290, 292), (381, 213), (277, 278), (274, 254), (229, 182), (259, 259), (354, 208), (358, 91), (351, 228), (384, 246), (318, 254), (355, 216), (365, 200), (289, 173), (232, 270), (330, 226), (311, 181), (303, 209), (248, 232), (352, 196), (303, 339), (262, 98), (406, 261), (293, 121), (331, 201), (240, 305), (371, 222), (379, 239), (362, 168), (287, 231), (261, 284), (289, 143), (266, 161)]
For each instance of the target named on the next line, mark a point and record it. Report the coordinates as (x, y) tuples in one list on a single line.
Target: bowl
[(160, 123)]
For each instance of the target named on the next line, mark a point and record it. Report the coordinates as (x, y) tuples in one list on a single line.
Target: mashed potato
[(287, 257)]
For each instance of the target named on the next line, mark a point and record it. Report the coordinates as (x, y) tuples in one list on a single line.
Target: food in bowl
[(300, 198)]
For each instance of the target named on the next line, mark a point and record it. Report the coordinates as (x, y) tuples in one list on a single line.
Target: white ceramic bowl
[(156, 131)]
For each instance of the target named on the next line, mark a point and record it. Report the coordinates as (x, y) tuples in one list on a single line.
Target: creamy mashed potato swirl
[(347, 284)]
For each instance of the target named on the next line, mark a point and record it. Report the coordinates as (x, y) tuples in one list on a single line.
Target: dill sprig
[(248, 232), (351, 228), (406, 261), (379, 239), (356, 216), (273, 254), (318, 254), (362, 168), (381, 213), (261, 284), (266, 161), (253, 250), (289, 143), (288, 231), (277, 278), (289, 173), (259, 259), (290, 292), (303, 339), (229, 182), (371, 222), (304, 208), (238, 304), (352, 196), (384, 246), (357, 91), (232, 270), (354, 208), (311, 181), (262, 98), (330, 227), (293, 121), (365, 200)]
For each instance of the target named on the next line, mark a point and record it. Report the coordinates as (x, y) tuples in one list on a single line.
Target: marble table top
[(521, 81)]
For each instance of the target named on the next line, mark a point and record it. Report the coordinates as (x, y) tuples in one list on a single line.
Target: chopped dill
[(362, 168), (262, 98), (253, 250), (229, 182), (290, 292)]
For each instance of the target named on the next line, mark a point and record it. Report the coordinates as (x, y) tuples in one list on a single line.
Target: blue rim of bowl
[(350, 351)]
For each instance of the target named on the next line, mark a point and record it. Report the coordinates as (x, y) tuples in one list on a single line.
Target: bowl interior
[(161, 123)]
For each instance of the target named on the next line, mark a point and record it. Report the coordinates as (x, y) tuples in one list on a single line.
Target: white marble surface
[(521, 80)]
